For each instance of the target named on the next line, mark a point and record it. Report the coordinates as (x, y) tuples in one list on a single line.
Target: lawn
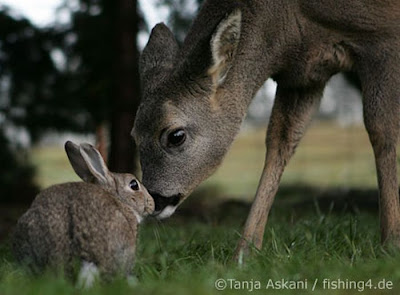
[(328, 156), (311, 239), (188, 257)]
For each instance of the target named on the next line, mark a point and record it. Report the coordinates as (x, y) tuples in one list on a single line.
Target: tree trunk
[(101, 140), (126, 86)]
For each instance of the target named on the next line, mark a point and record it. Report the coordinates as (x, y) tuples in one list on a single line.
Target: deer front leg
[(382, 120), (291, 113)]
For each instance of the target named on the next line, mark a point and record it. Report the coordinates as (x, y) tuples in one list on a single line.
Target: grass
[(179, 257), (189, 252), (52, 166), (328, 156)]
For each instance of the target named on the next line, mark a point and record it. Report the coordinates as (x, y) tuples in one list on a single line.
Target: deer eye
[(134, 185), (176, 137)]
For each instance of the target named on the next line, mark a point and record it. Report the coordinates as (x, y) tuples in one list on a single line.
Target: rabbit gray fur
[(94, 222)]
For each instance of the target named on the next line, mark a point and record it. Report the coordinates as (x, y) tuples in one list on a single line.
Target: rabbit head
[(89, 165)]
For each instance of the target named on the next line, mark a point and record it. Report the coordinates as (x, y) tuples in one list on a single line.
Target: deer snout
[(162, 202)]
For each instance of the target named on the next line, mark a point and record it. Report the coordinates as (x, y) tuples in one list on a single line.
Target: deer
[(195, 96)]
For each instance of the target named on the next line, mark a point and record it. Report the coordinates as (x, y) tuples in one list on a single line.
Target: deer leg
[(382, 120), (291, 113)]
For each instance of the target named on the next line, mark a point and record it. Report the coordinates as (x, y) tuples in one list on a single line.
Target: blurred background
[(68, 70)]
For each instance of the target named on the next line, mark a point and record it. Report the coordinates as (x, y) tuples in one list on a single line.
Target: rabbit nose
[(150, 205)]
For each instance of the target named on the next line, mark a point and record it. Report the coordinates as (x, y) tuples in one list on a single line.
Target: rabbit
[(94, 223)]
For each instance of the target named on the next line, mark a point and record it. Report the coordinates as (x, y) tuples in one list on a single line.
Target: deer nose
[(161, 202)]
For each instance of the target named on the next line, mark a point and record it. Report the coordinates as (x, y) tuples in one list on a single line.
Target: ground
[(323, 229)]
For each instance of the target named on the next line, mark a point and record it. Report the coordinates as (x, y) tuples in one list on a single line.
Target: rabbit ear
[(77, 162), (95, 164)]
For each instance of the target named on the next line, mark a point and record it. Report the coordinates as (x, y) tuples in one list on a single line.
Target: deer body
[(196, 97)]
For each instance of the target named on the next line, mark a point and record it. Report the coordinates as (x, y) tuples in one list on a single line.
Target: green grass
[(328, 156), (52, 166), (189, 252), (180, 257)]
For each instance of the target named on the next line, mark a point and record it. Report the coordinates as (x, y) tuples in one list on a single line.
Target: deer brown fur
[(195, 97)]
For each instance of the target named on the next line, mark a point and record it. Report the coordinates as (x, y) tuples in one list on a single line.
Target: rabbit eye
[(134, 185)]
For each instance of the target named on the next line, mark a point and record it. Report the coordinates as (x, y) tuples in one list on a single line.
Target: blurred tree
[(79, 76), (31, 85), (30, 81), (28, 101), (125, 83), (16, 174), (102, 58)]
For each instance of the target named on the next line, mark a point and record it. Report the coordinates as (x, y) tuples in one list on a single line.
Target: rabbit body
[(94, 222), (77, 221)]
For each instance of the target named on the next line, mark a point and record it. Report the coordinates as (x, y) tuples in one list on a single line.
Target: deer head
[(188, 118)]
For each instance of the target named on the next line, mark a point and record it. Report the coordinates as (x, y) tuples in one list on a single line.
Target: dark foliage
[(33, 89), (27, 79), (72, 77), (16, 174), (101, 54)]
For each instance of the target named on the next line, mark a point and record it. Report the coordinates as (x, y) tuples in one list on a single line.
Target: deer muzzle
[(162, 202)]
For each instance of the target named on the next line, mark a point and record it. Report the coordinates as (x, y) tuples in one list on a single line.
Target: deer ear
[(224, 43), (158, 56)]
